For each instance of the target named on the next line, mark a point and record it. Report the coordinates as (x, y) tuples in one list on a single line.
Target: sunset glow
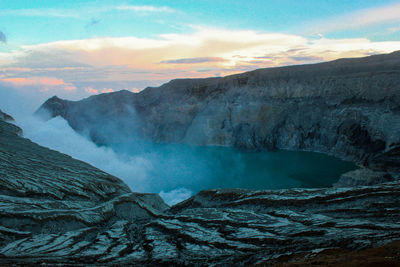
[(106, 56)]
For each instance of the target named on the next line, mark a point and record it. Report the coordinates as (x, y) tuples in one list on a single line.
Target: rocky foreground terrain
[(349, 108), (58, 210)]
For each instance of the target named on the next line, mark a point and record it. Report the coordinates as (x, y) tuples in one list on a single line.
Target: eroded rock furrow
[(58, 210)]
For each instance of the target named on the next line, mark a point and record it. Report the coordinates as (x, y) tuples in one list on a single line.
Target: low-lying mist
[(177, 171), (134, 170), (174, 171)]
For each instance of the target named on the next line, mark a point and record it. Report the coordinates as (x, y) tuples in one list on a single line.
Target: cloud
[(24, 100), (40, 12), (107, 90), (307, 58), (3, 38), (393, 30), (133, 62), (45, 83), (32, 81), (359, 19), (145, 8), (194, 60), (84, 11), (220, 48), (17, 102), (91, 90), (18, 94)]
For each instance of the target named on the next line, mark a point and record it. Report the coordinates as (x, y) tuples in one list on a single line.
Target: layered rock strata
[(349, 108), (58, 210)]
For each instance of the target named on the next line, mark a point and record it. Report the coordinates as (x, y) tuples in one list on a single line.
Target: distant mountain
[(55, 210), (349, 108)]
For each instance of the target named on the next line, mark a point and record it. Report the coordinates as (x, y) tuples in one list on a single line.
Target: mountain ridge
[(348, 108)]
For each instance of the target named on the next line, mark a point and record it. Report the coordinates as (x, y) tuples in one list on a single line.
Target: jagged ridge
[(349, 108)]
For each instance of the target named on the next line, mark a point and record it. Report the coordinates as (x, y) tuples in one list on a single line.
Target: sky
[(75, 49)]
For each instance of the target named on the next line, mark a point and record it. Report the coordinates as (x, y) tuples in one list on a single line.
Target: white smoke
[(58, 135), (175, 196), (139, 171), (175, 172), (135, 171)]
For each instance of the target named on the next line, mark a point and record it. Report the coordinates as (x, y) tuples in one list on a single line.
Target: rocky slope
[(50, 201), (349, 108), (58, 210), (5, 116), (387, 255)]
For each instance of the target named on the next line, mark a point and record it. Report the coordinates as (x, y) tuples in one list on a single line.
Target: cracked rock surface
[(58, 210)]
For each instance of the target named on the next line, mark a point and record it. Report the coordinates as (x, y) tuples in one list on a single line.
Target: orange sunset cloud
[(45, 82), (95, 64)]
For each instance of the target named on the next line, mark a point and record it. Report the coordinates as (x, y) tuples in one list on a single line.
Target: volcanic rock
[(55, 210), (348, 108)]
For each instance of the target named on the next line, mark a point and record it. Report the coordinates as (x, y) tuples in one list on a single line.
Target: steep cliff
[(56, 210), (349, 108)]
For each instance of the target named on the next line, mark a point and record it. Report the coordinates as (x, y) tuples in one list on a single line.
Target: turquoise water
[(199, 168)]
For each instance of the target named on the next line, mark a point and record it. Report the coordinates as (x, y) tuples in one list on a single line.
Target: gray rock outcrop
[(56, 210), (349, 108), (53, 205), (364, 176)]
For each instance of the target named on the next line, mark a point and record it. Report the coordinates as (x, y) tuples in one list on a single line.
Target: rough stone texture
[(50, 201), (58, 210), (28, 169), (349, 108), (387, 255), (364, 176)]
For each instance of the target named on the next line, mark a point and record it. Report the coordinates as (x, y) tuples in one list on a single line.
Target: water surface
[(198, 168)]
